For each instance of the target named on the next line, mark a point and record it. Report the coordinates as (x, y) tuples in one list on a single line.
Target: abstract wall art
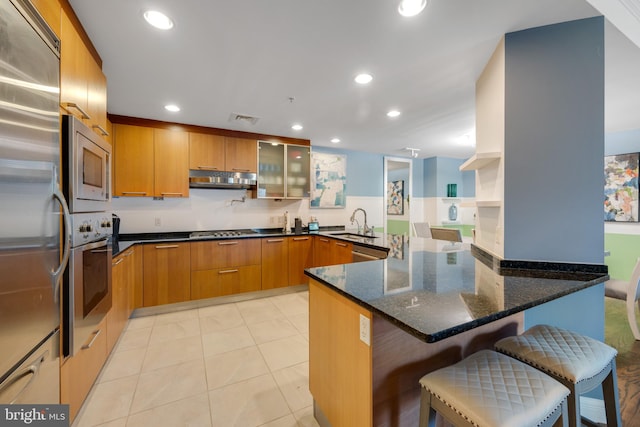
[(621, 187), (395, 198)]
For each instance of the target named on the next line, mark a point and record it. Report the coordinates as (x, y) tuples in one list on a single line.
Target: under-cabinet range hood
[(221, 180)]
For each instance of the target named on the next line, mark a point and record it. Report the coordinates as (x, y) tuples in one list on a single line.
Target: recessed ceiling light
[(393, 113), (363, 78), (335, 140), (296, 127), (172, 107), (158, 19), (411, 7)]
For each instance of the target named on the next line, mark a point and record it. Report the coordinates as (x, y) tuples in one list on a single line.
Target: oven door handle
[(56, 275)]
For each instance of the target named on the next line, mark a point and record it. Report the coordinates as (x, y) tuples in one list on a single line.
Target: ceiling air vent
[(235, 117)]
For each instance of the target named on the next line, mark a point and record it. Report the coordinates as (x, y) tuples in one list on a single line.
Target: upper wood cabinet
[(241, 155), (50, 11), (171, 159), (83, 86), (133, 161), (150, 162), (206, 152)]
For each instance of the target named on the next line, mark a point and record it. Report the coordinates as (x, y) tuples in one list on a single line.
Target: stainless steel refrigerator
[(33, 251)]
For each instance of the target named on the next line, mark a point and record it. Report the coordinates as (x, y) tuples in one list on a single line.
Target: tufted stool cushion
[(579, 362), (491, 389)]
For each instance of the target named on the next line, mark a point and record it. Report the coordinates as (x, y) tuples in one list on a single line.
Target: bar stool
[(493, 390), (580, 363)]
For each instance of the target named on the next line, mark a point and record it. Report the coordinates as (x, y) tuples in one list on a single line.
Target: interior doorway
[(397, 192)]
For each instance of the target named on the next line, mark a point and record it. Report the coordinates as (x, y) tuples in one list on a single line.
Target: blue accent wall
[(440, 171), (622, 142), (365, 171)]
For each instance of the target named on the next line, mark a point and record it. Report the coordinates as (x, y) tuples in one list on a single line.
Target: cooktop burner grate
[(220, 233)]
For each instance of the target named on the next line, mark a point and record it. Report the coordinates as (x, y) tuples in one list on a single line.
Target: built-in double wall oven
[(87, 284)]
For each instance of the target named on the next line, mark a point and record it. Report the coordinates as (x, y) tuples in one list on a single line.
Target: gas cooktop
[(220, 233)]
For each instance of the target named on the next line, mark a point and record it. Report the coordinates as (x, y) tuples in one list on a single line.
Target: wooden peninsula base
[(358, 384)]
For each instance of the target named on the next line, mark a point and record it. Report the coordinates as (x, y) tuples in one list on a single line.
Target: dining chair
[(629, 291), (421, 229)]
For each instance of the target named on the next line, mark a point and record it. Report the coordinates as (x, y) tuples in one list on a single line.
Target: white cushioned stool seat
[(491, 389), (581, 363)]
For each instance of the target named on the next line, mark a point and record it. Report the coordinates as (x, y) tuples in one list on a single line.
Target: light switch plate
[(365, 330)]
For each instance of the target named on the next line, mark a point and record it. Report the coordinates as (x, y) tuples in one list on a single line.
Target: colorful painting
[(396, 245), (395, 198), (621, 187), (328, 180)]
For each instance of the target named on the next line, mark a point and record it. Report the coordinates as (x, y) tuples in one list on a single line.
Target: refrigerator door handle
[(55, 275), (33, 369)]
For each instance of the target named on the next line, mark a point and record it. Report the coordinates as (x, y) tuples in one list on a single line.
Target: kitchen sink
[(353, 236)]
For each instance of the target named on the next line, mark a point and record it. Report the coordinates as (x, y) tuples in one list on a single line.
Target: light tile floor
[(240, 364)]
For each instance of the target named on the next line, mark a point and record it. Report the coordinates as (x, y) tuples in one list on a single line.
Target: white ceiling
[(251, 56)]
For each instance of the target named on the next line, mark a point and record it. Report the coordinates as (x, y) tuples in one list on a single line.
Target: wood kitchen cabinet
[(225, 267), (206, 152), (171, 163), (327, 251), (83, 85), (166, 273), (79, 372), (275, 262), (133, 161), (150, 162), (241, 155), (209, 152), (50, 11), (300, 257), (121, 285)]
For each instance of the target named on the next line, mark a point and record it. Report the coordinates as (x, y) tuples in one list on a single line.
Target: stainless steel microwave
[(87, 167)]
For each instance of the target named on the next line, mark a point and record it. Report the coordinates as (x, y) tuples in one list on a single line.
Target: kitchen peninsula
[(376, 327)]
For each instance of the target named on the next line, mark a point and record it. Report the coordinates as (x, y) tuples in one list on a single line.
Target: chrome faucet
[(366, 230)]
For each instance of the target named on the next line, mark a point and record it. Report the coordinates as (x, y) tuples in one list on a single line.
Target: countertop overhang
[(435, 294)]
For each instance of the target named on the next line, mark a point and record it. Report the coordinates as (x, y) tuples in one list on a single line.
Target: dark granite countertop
[(377, 240), (434, 289)]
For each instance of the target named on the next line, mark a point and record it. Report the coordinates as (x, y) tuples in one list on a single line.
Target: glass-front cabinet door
[(283, 170), (271, 170), (298, 161)]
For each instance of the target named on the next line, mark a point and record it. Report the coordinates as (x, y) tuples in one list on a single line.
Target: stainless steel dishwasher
[(365, 253)]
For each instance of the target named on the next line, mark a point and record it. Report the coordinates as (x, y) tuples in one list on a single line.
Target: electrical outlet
[(272, 220), (365, 330), (280, 219), (157, 221)]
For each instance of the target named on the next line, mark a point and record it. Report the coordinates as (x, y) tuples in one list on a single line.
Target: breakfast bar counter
[(375, 328)]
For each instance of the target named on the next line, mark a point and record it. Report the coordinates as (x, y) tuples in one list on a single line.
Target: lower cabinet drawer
[(225, 281)]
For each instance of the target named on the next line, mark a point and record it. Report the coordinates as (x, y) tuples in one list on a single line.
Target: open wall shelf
[(480, 160)]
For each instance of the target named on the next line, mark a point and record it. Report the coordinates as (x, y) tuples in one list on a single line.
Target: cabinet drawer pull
[(275, 240), (113, 264), (142, 193), (324, 240), (213, 168), (129, 253), (344, 245), (95, 336), (101, 129), (227, 243), (67, 105), (240, 170), (171, 194), (167, 246), (227, 271), (297, 239)]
